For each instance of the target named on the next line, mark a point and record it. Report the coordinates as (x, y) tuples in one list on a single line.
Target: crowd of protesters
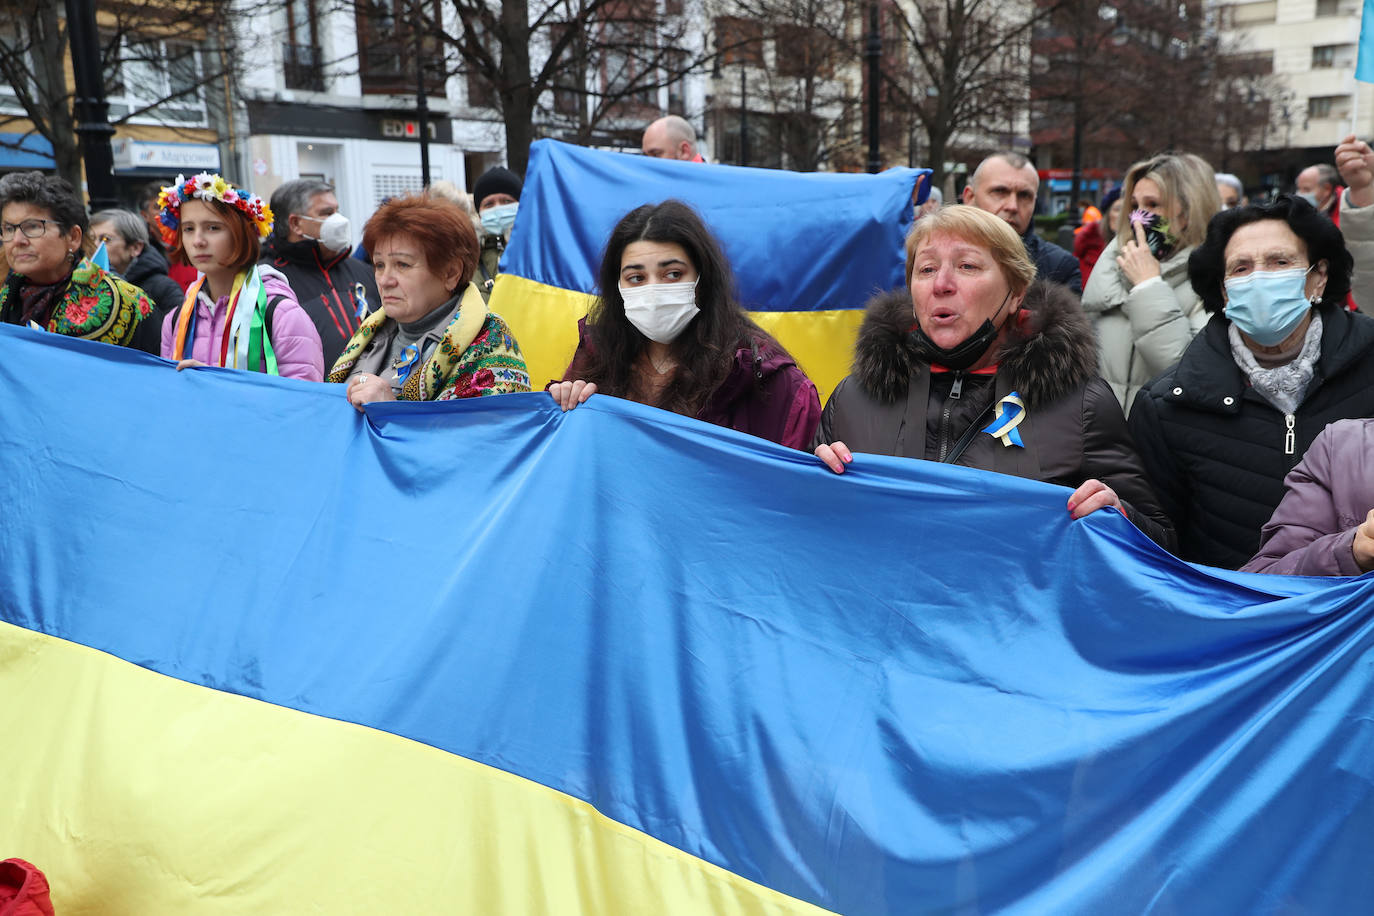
[(1198, 362)]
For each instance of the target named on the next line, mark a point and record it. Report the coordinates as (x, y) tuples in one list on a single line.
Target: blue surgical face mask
[(498, 220), (1308, 196), (1268, 305)]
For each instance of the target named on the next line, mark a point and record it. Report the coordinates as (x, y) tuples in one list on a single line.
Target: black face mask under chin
[(960, 356)]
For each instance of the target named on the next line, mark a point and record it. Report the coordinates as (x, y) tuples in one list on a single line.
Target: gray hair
[(680, 129), (294, 197), (47, 192), (1231, 181), (1327, 174), (450, 192), (130, 226), (1010, 157)]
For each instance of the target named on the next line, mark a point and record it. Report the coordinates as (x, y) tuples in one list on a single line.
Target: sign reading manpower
[(139, 154)]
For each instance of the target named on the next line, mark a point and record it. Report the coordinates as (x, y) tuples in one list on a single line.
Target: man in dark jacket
[(133, 257), (1005, 185), (310, 244)]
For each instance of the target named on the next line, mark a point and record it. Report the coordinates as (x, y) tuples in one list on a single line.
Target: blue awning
[(25, 151)]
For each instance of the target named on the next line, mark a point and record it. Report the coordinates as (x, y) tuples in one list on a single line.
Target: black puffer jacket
[(1053, 262), (1217, 451), (148, 272), (1074, 430), (326, 289)]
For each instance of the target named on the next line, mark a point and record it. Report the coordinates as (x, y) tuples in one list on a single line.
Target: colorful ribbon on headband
[(245, 343), (1011, 410)]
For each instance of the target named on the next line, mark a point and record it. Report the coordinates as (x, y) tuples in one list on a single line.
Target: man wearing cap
[(496, 195)]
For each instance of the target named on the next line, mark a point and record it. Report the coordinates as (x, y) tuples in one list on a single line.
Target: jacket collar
[(1208, 378), (1051, 351), (306, 252), (752, 365)]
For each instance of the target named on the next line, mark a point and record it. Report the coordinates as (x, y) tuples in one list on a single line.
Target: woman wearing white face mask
[(667, 332), (1280, 358)]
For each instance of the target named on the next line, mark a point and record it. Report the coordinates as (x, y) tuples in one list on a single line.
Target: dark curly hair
[(705, 351), (48, 192), (1207, 263)]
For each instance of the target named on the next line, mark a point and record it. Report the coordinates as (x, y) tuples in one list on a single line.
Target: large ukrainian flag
[(262, 654), (807, 249)]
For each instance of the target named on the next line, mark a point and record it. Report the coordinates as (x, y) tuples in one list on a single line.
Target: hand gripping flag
[(807, 249), (626, 662)]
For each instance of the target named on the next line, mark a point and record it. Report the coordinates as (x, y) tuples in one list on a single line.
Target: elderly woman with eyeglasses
[(1280, 359), (51, 284)]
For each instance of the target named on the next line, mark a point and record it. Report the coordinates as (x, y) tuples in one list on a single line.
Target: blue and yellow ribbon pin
[(409, 357), (1011, 410)]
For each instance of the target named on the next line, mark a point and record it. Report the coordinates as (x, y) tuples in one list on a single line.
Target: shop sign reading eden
[(395, 128)]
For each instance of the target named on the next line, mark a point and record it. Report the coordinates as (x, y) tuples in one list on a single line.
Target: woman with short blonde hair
[(976, 364), (1139, 295), (971, 224)]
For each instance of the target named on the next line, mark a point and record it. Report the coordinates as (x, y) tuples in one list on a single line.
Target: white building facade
[(1312, 45)]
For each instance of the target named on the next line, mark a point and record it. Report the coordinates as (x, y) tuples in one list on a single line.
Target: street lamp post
[(91, 111), (421, 101), (873, 52), (743, 114)]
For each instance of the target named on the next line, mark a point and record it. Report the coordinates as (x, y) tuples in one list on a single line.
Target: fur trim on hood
[(1051, 350)]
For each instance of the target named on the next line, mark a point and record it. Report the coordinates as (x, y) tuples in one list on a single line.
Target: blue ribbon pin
[(1011, 410), (360, 294)]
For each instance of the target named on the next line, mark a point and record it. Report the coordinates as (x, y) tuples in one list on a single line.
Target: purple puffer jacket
[(1327, 496), (294, 338)]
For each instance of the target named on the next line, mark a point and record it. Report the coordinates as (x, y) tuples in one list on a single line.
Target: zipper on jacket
[(955, 391), (1290, 436)]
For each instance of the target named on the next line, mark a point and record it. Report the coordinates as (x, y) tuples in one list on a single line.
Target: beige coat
[(1141, 330), (1357, 225)]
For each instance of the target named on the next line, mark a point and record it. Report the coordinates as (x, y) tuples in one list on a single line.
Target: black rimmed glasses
[(32, 228)]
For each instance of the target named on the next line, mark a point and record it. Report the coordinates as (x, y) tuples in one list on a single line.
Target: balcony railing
[(303, 67)]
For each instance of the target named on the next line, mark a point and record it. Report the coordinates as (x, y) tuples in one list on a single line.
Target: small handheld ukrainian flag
[(1364, 66)]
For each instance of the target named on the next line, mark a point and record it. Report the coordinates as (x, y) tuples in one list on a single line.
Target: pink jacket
[(294, 338)]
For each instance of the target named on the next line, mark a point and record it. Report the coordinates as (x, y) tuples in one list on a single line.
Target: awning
[(25, 151)]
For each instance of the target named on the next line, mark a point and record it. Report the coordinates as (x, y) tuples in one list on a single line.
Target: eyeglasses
[(32, 228)]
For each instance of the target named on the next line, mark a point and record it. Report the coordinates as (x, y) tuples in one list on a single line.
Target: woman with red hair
[(433, 338), (237, 313)]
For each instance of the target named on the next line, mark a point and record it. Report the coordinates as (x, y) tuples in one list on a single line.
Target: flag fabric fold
[(487, 656)]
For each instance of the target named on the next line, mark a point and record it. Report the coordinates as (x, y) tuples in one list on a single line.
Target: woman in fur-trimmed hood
[(977, 365)]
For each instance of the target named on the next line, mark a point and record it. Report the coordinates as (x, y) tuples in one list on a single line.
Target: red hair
[(246, 248), (439, 227)]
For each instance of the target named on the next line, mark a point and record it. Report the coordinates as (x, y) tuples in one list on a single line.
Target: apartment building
[(1309, 46)]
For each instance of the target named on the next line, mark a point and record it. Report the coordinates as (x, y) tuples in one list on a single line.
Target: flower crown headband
[(208, 187)]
